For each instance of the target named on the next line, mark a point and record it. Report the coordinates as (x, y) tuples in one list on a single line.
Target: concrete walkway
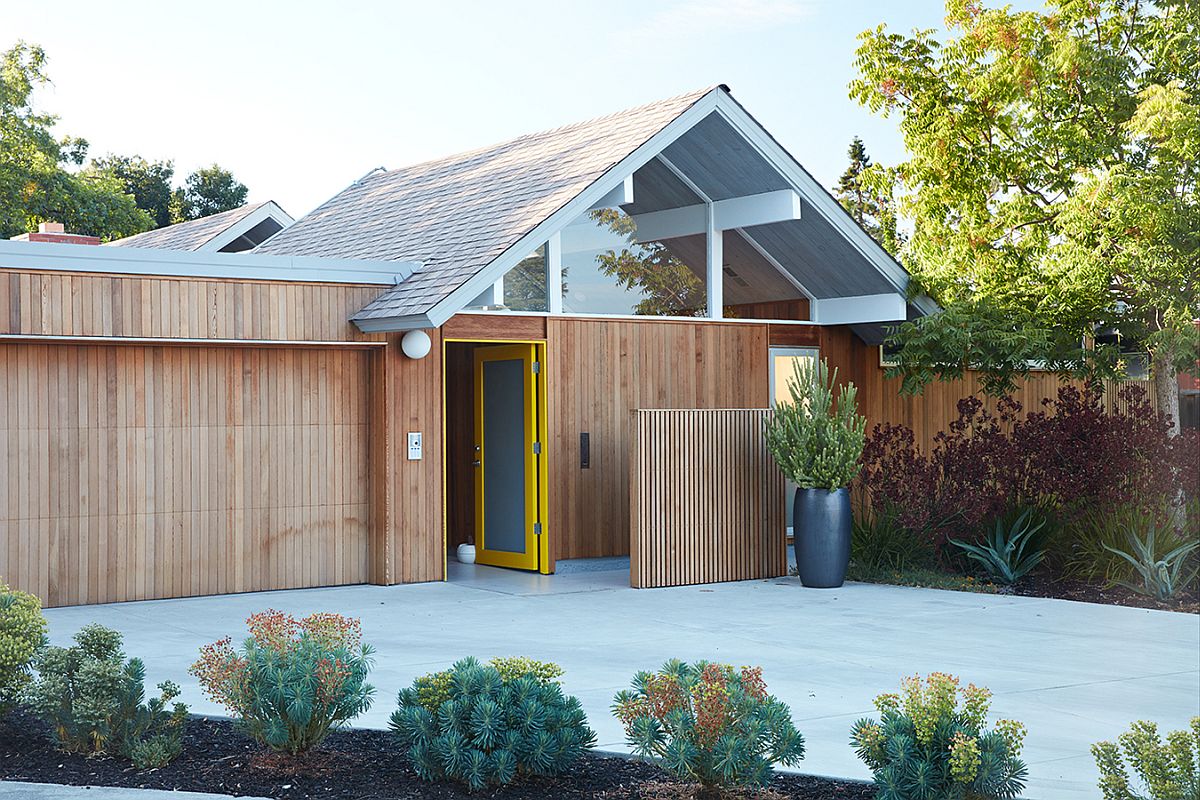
[(1074, 673), (15, 790)]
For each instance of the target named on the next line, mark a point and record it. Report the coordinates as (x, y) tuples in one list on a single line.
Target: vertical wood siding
[(601, 370), (131, 472), (79, 304), (706, 499)]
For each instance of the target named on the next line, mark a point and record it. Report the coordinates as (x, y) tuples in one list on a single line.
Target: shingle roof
[(191, 235), (458, 214)]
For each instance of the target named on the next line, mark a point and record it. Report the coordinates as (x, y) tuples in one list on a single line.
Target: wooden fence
[(706, 499)]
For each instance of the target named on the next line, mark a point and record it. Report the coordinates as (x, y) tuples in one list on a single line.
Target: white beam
[(736, 212), (857, 310), (554, 274), (672, 223), (619, 195), (716, 262)]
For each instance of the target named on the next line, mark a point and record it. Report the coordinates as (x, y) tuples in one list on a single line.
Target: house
[(233, 231), (442, 352)]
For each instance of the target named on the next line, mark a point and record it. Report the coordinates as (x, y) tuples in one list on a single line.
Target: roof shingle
[(190, 235)]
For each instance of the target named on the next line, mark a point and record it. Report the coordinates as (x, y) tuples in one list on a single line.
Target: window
[(523, 288), (608, 269), (786, 363)]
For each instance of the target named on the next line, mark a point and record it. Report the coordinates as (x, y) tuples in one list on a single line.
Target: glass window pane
[(607, 269), (785, 365), (525, 284)]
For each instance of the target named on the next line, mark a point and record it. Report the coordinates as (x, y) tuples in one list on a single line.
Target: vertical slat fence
[(706, 499)]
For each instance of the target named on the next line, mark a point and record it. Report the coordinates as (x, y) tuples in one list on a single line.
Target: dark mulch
[(1044, 585), (351, 764)]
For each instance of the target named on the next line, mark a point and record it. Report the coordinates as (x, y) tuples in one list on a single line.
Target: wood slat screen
[(706, 499)]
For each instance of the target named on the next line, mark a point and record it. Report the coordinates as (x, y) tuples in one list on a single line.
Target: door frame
[(541, 461)]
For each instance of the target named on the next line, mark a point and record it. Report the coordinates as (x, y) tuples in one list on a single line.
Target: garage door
[(132, 472)]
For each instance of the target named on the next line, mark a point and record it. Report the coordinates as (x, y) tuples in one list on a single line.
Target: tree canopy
[(43, 178), (35, 182), (1052, 184), (207, 191)]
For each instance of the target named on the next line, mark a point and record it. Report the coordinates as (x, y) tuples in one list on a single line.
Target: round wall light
[(415, 344)]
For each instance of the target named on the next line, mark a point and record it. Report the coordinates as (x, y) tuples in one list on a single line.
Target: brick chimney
[(54, 232)]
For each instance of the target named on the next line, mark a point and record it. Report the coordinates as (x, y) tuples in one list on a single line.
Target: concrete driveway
[(1074, 673)]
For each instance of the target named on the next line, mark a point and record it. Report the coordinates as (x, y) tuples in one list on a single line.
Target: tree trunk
[(1166, 387)]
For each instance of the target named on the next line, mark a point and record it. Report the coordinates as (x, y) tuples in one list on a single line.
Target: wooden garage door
[(131, 472)]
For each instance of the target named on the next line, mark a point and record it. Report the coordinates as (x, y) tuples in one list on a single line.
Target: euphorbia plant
[(817, 438), (709, 723), (293, 680)]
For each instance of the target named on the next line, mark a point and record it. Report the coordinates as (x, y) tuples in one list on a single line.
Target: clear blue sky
[(300, 98)]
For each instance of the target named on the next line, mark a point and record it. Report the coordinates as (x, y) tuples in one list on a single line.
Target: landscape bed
[(350, 764)]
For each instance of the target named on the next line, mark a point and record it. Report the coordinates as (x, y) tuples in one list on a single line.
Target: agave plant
[(1162, 578), (1006, 552)]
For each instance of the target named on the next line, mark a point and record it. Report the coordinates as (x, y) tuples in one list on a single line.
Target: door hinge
[(537, 529), (537, 448), (537, 367)]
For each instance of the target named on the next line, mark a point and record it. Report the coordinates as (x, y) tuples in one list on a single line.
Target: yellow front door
[(508, 502)]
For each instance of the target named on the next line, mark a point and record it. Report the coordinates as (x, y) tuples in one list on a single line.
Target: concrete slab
[(1075, 673), (15, 790)]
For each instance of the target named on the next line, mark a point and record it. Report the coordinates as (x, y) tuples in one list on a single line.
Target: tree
[(207, 191), (148, 181), (35, 184), (1052, 183), (865, 191)]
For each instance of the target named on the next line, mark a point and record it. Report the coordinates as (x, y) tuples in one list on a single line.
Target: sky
[(299, 99)]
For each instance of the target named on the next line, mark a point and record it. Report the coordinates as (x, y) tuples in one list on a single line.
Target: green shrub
[(491, 729), (93, 700), (925, 745), (1158, 576), (816, 441), (1088, 548), (1009, 552), (434, 689), (292, 681), (878, 542), (22, 634), (1168, 770), (709, 723)]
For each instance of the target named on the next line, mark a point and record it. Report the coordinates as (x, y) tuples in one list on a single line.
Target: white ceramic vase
[(466, 553)]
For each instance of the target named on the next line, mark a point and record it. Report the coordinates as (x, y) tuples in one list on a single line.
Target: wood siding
[(706, 499), (80, 304), (134, 472), (601, 370)]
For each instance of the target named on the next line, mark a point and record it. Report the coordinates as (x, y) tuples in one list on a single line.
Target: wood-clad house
[(442, 352)]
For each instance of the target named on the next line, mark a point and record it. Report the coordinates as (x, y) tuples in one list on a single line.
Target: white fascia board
[(457, 299), (858, 310), (407, 322), (268, 210), (619, 196), (811, 191), (673, 223), (53, 257)]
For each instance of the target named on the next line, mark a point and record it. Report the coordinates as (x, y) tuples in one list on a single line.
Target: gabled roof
[(458, 214), (468, 219), (229, 231)]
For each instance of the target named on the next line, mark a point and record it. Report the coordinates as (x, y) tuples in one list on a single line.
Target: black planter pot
[(821, 531)]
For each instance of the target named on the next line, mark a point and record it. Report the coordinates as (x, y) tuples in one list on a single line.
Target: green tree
[(1052, 183), (207, 191), (866, 192), (35, 182), (148, 181)]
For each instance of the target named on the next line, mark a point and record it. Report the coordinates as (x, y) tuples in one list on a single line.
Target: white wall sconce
[(416, 344)]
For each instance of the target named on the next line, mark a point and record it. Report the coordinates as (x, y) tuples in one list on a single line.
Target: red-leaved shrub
[(1070, 456)]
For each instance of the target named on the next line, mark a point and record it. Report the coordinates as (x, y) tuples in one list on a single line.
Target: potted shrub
[(817, 440)]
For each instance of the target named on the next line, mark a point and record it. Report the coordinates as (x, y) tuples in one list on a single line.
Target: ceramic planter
[(466, 553), (821, 532)]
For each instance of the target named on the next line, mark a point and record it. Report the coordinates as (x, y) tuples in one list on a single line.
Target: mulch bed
[(351, 764), (1042, 585)]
